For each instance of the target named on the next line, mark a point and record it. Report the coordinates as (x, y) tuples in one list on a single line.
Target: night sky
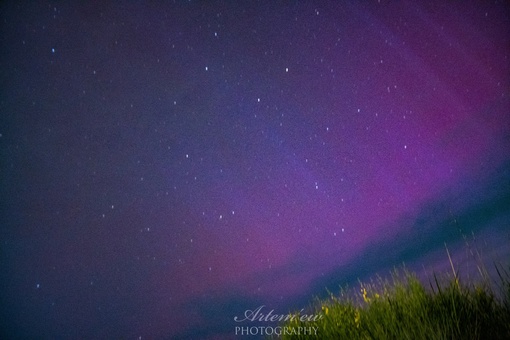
[(167, 166)]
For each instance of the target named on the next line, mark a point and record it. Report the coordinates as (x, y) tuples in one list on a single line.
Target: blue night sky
[(167, 166)]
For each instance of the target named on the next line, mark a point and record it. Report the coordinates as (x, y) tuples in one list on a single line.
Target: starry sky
[(166, 166)]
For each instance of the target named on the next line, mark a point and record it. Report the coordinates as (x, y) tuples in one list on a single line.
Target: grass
[(404, 308)]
